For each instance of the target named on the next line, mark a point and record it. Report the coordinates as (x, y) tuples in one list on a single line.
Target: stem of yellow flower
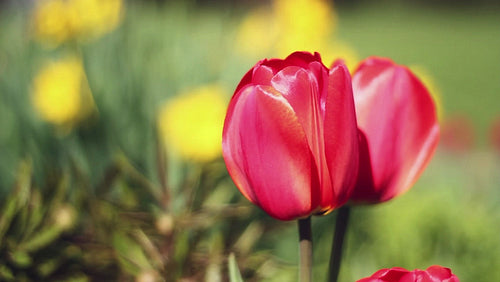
[(338, 241), (305, 246), (162, 170)]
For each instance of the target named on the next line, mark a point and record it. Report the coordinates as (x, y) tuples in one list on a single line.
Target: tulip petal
[(299, 59), (441, 273), (386, 274), (301, 90), (412, 276), (259, 75), (341, 150), (262, 75), (397, 117), (246, 80), (267, 155), (391, 274)]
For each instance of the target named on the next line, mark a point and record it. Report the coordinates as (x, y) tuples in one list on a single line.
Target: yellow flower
[(257, 33), (293, 25), (61, 94), (303, 24), (92, 18), (57, 21), (431, 85), (192, 123), (339, 50), (50, 22)]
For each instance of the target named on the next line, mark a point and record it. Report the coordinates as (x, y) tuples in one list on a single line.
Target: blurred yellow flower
[(56, 21), (50, 22), (94, 17), (423, 74), (293, 25), (61, 94), (303, 24), (192, 123), (257, 33), (338, 49)]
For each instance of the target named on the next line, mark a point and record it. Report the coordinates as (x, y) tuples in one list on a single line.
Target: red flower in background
[(398, 127), (434, 273), (495, 134), (290, 139), (457, 134)]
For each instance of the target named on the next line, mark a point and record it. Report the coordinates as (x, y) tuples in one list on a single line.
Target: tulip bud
[(398, 128)]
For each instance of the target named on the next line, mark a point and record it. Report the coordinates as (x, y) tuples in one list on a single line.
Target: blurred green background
[(106, 197)]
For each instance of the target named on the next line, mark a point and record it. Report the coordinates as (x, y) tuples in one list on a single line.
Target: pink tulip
[(290, 139), (398, 127), (434, 273)]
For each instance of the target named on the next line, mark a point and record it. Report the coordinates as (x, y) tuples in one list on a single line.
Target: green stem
[(338, 241), (305, 246)]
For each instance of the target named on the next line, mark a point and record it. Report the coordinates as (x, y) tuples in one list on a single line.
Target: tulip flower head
[(290, 138), (398, 127), (434, 273)]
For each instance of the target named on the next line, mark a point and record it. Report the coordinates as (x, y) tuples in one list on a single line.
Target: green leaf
[(130, 254), (21, 259), (8, 213), (234, 272), (32, 216), (41, 239), (249, 237), (6, 274), (48, 267), (17, 198)]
